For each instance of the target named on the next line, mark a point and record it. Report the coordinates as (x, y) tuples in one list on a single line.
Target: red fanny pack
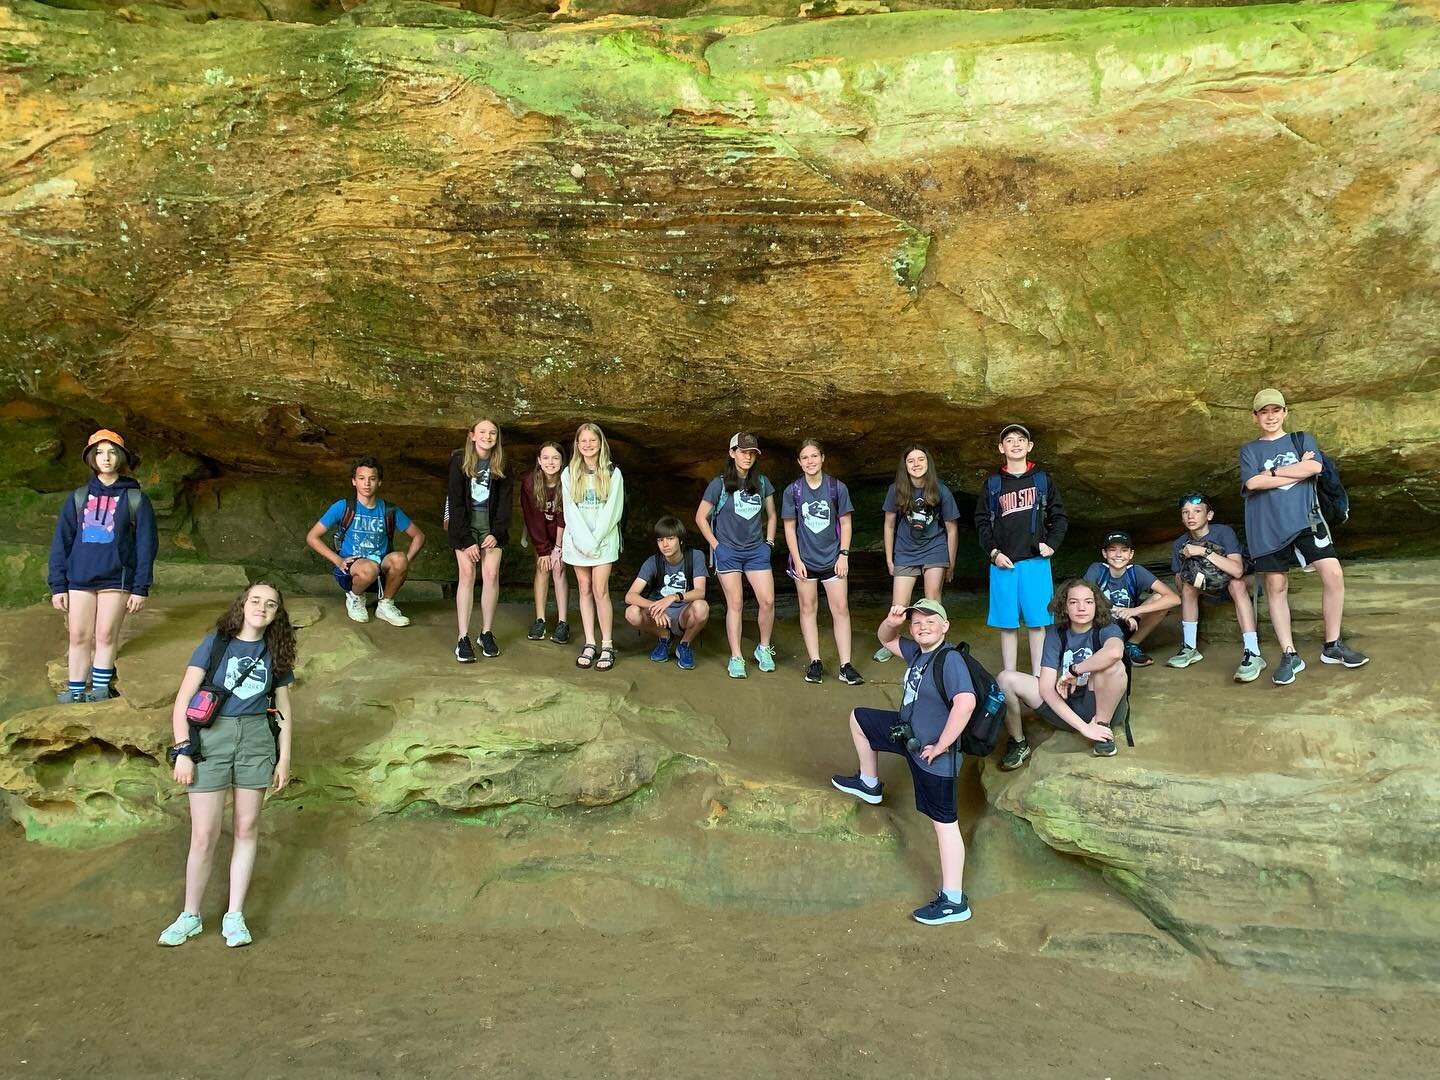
[(204, 706)]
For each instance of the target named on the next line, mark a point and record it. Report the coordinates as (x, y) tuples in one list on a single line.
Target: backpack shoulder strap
[(217, 650), (347, 517), (834, 494), (992, 493), (795, 495), (78, 497), (1132, 582), (133, 498), (937, 669), (389, 524)]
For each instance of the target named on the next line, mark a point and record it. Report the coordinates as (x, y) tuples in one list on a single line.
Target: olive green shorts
[(239, 751)]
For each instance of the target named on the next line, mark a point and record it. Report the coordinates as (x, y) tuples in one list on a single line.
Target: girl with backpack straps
[(479, 506), (920, 530), (593, 499), (246, 664), (102, 561), (817, 515)]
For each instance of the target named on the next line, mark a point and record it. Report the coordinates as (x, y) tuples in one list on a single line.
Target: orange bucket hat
[(113, 437)]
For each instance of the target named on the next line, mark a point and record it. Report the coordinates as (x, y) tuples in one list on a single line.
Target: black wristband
[(845, 551), (177, 751), (771, 543), (1073, 673)]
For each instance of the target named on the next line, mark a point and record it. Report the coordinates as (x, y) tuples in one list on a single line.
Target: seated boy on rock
[(1123, 584), (932, 751), (1082, 674), (667, 597), (1218, 546)]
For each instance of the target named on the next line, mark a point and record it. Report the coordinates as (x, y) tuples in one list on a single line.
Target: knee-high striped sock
[(100, 681), (76, 688)]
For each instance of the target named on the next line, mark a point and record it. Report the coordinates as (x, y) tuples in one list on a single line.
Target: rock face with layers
[(279, 245)]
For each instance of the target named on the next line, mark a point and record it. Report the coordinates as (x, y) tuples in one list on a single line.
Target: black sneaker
[(537, 630), (815, 672), (850, 676), (940, 911), (1104, 749), (1016, 754), (1339, 653), (853, 785), (562, 633), (1290, 666), (464, 651), (488, 648)]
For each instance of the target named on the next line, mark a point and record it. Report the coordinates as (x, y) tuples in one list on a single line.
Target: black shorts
[(1082, 704), (1300, 550), (934, 795)]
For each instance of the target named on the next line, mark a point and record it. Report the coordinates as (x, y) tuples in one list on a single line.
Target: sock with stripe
[(100, 681)]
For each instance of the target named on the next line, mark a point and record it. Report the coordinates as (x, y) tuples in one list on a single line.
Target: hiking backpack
[(1330, 494), (347, 518), (982, 731), (1042, 498)]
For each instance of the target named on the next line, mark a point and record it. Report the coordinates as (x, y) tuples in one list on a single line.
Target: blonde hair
[(538, 486), (602, 465), (472, 456)]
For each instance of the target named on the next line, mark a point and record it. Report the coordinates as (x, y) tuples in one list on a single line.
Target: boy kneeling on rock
[(927, 731), (1082, 674)]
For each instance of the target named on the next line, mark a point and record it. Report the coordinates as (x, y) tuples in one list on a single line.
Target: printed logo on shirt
[(1075, 656), (1118, 595), (1279, 461), (674, 582), (97, 524), (551, 505), (480, 489), (1017, 502), (816, 515), (257, 679), (366, 537), (746, 505), (921, 515), (913, 676)]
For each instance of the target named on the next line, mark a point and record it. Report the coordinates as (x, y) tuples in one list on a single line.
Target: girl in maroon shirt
[(544, 527)]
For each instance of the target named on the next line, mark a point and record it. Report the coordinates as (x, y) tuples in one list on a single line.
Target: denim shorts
[(730, 560)]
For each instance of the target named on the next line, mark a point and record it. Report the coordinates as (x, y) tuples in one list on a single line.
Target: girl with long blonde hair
[(593, 498)]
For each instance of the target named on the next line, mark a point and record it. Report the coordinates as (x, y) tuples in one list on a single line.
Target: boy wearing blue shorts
[(364, 534), (1021, 522)]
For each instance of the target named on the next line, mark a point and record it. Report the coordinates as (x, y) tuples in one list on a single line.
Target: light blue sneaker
[(234, 929), (736, 668), (882, 654), (661, 653), (684, 656), (765, 657), (181, 930)]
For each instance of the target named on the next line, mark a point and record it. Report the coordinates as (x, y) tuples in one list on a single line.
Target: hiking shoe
[(1187, 655), (1290, 666), (537, 631), (882, 654), (386, 611), (1105, 749), (181, 930), (684, 656), (1137, 656), (940, 911), (488, 648), (849, 676), (562, 633), (765, 657), (235, 931), (736, 667), (1339, 653), (1016, 754), (355, 607), (1251, 664), (661, 653), (815, 672), (464, 651), (853, 785)]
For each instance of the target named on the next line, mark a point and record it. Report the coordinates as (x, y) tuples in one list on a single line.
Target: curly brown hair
[(279, 635), (1103, 614)]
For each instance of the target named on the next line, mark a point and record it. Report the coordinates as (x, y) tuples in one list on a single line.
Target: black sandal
[(586, 659), (607, 658)]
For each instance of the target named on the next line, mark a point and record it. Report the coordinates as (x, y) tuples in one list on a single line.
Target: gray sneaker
[(1251, 664), (181, 930), (1340, 653), (1290, 666), (1187, 655), (1016, 754)]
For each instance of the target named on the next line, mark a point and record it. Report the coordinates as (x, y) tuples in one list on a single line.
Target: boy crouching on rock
[(927, 731)]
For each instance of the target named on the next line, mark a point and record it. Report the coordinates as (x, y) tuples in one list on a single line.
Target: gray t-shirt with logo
[(817, 528), (1275, 516), (250, 696), (920, 529), (922, 704), (1118, 590), (664, 578), (740, 523)]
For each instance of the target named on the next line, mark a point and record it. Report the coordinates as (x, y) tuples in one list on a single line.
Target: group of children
[(1084, 637)]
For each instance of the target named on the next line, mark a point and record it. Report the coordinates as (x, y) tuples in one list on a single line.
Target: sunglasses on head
[(1193, 499)]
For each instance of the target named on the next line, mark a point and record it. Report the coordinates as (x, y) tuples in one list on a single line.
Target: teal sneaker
[(882, 655), (765, 657), (736, 668), (181, 930), (234, 929)]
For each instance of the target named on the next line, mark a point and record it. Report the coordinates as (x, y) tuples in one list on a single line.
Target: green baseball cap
[(929, 607)]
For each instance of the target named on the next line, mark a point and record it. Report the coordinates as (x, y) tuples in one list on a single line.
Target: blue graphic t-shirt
[(365, 539), (248, 696), (479, 489), (922, 705), (1064, 647), (664, 578), (920, 538), (738, 524), (1118, 590), (817, 529)]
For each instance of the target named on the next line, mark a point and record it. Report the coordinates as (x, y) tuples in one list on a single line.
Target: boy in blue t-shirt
[(1218, 546), (667, 597), (1123, 584), (365, 561)]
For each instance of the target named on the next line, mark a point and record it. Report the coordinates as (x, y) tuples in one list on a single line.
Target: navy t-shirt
[(817, 528), (922, 705), (250, 696), (739, 523), (673, 578), (1064, 647), (920, 538), (1118, 590), (1222, 536)]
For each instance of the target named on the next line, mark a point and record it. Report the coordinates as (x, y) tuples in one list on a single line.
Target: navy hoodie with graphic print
[(100, 548)]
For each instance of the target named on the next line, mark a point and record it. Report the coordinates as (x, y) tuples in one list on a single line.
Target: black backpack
[(983, 730), (1330, 493)]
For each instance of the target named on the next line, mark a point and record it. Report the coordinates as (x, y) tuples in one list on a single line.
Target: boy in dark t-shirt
[(1220, 548), (1285, 528), (667, 597), (1082, 676), (1123, 584)]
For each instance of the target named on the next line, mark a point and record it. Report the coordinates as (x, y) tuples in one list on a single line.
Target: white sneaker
[(355, 607), (387, 611), (181, 930), (235, 931)]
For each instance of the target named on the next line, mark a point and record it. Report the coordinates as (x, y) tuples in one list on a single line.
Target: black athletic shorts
[(934, 795), (1300, 550)]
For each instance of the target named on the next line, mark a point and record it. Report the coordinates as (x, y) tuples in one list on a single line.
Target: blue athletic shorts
[(729, 560), (347, 583), (1021, 593)]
